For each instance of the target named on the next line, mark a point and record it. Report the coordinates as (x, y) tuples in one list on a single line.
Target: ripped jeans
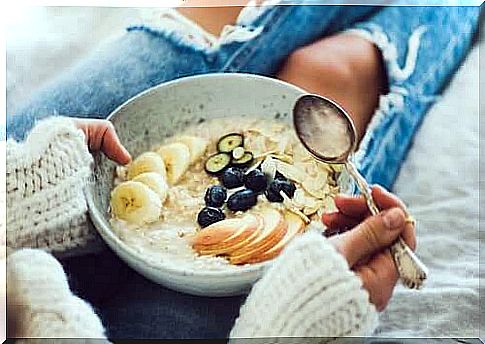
[(421, 47)]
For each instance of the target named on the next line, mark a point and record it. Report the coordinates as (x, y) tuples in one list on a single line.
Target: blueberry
[(279, 176), (210, 215), (215, 196), (233, 178), (242, 200), (256, 181), (277, 185)]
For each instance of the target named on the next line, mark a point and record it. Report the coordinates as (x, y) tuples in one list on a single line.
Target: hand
[(365, 246), (101, 136)]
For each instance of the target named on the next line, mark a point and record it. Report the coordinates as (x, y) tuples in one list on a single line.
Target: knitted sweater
[(45, 177), (309, 291)]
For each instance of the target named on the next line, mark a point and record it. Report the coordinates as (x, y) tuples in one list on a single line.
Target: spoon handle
[(412, 271)]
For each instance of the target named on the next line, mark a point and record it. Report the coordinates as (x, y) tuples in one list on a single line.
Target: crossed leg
[(343, 67)]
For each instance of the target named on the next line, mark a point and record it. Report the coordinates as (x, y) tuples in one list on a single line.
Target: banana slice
[(197, 146), (176, 157), (146, 162), (155, 182), (135, 202)]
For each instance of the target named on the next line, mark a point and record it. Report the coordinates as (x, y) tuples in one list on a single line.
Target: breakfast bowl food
[(218, 186)]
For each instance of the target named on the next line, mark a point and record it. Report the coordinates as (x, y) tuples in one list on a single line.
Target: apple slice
[(274, 230), (296, 226), (216, 232), (235, 242)]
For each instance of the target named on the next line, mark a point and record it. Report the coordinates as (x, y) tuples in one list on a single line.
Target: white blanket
[(439, 180)]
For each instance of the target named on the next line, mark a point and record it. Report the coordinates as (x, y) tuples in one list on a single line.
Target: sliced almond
[(283, 157), (329, 204), (289, 205), (313, 208), (268, 167), (265, 154), (317, 187), (282, 144), (299, 198), (291, 172)]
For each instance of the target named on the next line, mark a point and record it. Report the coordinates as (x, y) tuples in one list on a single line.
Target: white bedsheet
[(439, 180)]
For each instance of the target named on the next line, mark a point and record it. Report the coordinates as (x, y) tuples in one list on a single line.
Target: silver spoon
[(328, 133)]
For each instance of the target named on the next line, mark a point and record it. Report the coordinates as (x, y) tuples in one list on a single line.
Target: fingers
[(101, 136), (379, 277), (385, 199), (112, 147), (357, 207), (409, 235), (373, 235), (353, 206), (339, 221)]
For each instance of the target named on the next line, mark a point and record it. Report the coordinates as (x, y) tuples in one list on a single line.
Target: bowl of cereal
[(218, 186)]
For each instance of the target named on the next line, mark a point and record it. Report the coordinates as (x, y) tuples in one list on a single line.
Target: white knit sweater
[(308, 292), (45, 176)]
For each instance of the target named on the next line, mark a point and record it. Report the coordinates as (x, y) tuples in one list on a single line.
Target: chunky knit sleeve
[(308, 292), (46, 175), (41, 305)]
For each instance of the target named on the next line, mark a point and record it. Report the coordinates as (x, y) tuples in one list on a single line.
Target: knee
[(316, 64)]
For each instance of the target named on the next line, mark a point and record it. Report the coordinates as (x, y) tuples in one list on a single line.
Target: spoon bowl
[(324, 128)]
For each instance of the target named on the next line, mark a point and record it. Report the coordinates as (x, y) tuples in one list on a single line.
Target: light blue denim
[(422, 47), (146, 56)]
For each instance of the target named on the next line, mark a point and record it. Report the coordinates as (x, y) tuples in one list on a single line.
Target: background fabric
[(439, 180)]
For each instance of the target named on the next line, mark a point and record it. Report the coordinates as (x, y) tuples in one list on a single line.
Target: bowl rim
[(108, 235)]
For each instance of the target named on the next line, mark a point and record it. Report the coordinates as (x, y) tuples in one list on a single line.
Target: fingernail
[(393, 218)]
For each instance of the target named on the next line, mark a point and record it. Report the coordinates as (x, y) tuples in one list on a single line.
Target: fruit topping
[(155, 182), (215, 196), (197, 146), (291, 171), (277, 185), (279, 176), (135, 202), (295, 226), (146, 162), (242, 200), (244, 161), (256, 180), (217, 163), (275, 228), (176, 157), (233, 177), (229, 142), (210, 215), (238, 153), (214, 240)]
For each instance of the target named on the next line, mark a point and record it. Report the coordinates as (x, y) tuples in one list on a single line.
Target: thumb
[(373, 235)]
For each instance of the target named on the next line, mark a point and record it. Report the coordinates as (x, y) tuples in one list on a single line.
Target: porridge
[(221, 195)]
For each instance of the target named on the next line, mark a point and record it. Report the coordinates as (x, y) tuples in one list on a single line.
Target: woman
[(396, 58), (317, 287)]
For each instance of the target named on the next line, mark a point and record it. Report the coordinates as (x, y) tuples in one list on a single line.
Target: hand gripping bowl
[(165, 110)]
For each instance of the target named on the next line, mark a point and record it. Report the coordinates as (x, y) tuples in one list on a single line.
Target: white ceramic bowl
[(162, 111)]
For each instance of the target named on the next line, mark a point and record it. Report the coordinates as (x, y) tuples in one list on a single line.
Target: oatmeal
[(223, 194)]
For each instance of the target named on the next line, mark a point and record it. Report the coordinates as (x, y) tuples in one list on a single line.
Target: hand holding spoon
[(328, 133)]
